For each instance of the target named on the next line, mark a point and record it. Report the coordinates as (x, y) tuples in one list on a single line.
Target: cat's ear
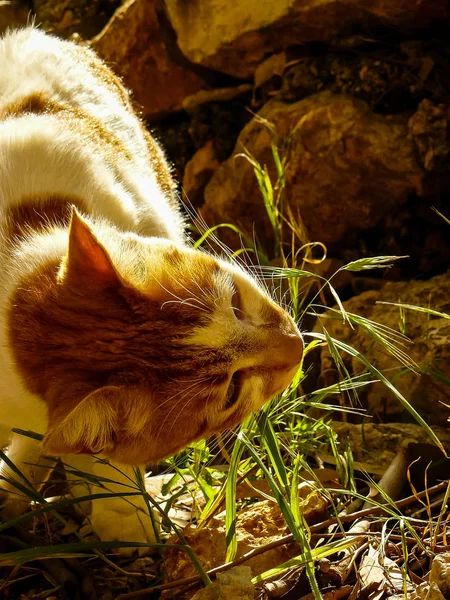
[(90, 428), (87, 260)]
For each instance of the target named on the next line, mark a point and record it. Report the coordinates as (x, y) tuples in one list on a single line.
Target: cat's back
[(41, 74), (67, 128)]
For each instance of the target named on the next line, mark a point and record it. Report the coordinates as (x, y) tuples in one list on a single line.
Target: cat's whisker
[(184, 302), (260, 280), (182, 380), (170, 292), (196, 298), (200, 221), (192, 398), (211, 391), (202, 291), (180, 413), (183, 391)]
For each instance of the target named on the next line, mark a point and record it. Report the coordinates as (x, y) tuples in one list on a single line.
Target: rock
[(67, 17), (440, 573), (270, 68), (389, 84), (376, 444), (221, 122), (236, 37), (257, 524), (430, 130), (430, 347), (198, 172), (346, 168), (234, 584), (135, 44), (438, 586), (218, 95)]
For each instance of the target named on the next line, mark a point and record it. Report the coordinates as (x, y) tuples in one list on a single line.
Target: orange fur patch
[(71, 118), (38, 213), (113, 83), (33, 103)]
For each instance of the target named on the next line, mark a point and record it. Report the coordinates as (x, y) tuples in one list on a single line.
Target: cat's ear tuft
[(87, 260), (90, 428)]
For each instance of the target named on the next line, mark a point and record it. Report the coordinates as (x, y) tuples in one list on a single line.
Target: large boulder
[(347, 168), (427, 391), (234, 37), (136, 46)]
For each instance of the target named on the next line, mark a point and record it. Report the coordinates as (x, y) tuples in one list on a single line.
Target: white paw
[(134, 525)]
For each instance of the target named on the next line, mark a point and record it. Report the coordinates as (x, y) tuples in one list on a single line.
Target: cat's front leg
[(124, 519)]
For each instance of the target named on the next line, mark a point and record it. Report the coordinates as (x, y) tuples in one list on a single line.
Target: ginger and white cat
[(117, 338)]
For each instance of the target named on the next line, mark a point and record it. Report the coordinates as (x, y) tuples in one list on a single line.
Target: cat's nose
[(288, 349), (293, 350)]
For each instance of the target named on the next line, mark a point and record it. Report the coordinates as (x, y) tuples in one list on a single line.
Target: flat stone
[(257, 524)]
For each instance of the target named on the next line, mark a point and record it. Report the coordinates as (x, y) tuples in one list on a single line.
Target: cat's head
[(140, 346)]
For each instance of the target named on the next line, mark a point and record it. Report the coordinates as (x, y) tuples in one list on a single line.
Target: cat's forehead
[(230, 278), (239, 301)]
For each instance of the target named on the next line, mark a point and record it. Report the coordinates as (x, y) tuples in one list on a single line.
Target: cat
[(118, 339)]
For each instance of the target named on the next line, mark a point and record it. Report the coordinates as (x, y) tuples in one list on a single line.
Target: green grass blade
[(352, 352), (20, 557), (17, 471), (302, 560), (294, 496), (230, 500), (279, 165), (298, 532), (272, 446), (339, 303), (27, 433), (429, 311), (374, 262)]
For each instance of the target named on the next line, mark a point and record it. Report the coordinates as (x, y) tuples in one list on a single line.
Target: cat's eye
[(233, 390)]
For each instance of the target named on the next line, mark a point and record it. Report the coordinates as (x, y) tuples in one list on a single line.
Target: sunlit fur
[(117, 338)]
